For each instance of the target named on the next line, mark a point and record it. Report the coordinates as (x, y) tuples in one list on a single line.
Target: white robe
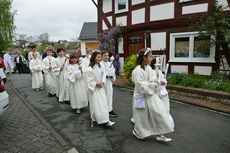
[(97, 97), (51, 79), (63, 83), (78, 97), (85, 62), (30, 55), (85, 69), (109, 82), (154, 118), (8, 64), (37, 78), (165, 100)]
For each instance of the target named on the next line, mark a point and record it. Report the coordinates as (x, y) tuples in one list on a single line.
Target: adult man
[(18, 62)]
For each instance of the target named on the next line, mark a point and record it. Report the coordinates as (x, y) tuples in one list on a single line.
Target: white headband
[(147, 51)]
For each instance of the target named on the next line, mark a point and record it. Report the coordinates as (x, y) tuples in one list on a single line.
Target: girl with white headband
[(150, 115)]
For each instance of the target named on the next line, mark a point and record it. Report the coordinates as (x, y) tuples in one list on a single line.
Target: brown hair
[(140, 58), (72, 56), (49, 49), (88, 51), (104, 52), (92, 59)]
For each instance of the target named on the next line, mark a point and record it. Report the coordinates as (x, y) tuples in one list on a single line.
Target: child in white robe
[(99, 110), (60, 66), (51, 79), (161, 89), (109, 71), (36, 66), (150, 115), (78, 96)]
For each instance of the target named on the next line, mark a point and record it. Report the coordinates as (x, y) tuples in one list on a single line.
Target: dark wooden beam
[(94, 3)]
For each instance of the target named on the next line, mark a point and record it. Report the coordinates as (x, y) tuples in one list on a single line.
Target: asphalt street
[(198, 130)]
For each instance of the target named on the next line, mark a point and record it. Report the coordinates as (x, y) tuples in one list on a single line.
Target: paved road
[(197, 130), (21, 131)]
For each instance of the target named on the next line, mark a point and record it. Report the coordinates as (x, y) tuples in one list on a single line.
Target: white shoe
[(132, 120), (109, 124), (138, 137), (78, 111), (163, 138)]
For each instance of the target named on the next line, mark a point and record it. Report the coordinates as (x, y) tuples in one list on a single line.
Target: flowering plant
[(108, 39), (129, 66)]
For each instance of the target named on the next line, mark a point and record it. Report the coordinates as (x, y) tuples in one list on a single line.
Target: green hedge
[(216, 81), (128, 67)]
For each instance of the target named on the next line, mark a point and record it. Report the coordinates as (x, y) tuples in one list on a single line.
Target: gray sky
[(62, 19)]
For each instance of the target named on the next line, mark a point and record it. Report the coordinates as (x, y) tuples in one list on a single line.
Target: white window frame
[(190, 59), (121, 11)]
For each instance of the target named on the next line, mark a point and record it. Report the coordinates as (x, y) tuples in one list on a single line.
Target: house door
[(135, 43)]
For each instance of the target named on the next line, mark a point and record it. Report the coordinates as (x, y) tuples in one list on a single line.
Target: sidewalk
[(121, 82), (22, 132)]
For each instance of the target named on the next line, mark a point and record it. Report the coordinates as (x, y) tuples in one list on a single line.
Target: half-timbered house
[(161, 25)]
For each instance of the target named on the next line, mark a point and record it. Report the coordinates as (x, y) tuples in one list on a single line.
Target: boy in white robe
[(51, 79), (78, 97), (150, 115), (36, 66), (60, 66), (32, 51), (85, 62), (109, 71), (99, 111)]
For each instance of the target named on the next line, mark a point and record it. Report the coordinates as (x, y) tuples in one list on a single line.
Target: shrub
[(176, 78), (195, 82), (128, 67)]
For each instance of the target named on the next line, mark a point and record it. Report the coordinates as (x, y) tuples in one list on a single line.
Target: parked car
[(4, 98), (2, 73)]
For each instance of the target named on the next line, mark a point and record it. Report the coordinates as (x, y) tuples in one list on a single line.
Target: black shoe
[(112, 114), (57, 98), (67, 102), (49, 95)]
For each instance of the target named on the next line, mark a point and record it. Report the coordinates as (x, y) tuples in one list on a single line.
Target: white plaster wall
[(195, 8), (120, 46), (121, 20), (138, 16), (107, 6), (158, 41), (179, 69), (162, 11), (104, 26), (110, 18), (134, 2), (224, 3), (203, 70)]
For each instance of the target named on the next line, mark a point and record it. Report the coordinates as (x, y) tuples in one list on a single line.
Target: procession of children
[(88, 82)]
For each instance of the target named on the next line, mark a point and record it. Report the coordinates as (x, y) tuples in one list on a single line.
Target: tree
[(217, 27), (44, 37), (7, 26)]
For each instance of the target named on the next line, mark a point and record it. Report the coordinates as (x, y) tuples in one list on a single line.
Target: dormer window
[(121, 6)]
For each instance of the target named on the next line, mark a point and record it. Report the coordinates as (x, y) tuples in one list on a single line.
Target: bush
[(194, 82), (216, 81), (176, 78), (128, 67)]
